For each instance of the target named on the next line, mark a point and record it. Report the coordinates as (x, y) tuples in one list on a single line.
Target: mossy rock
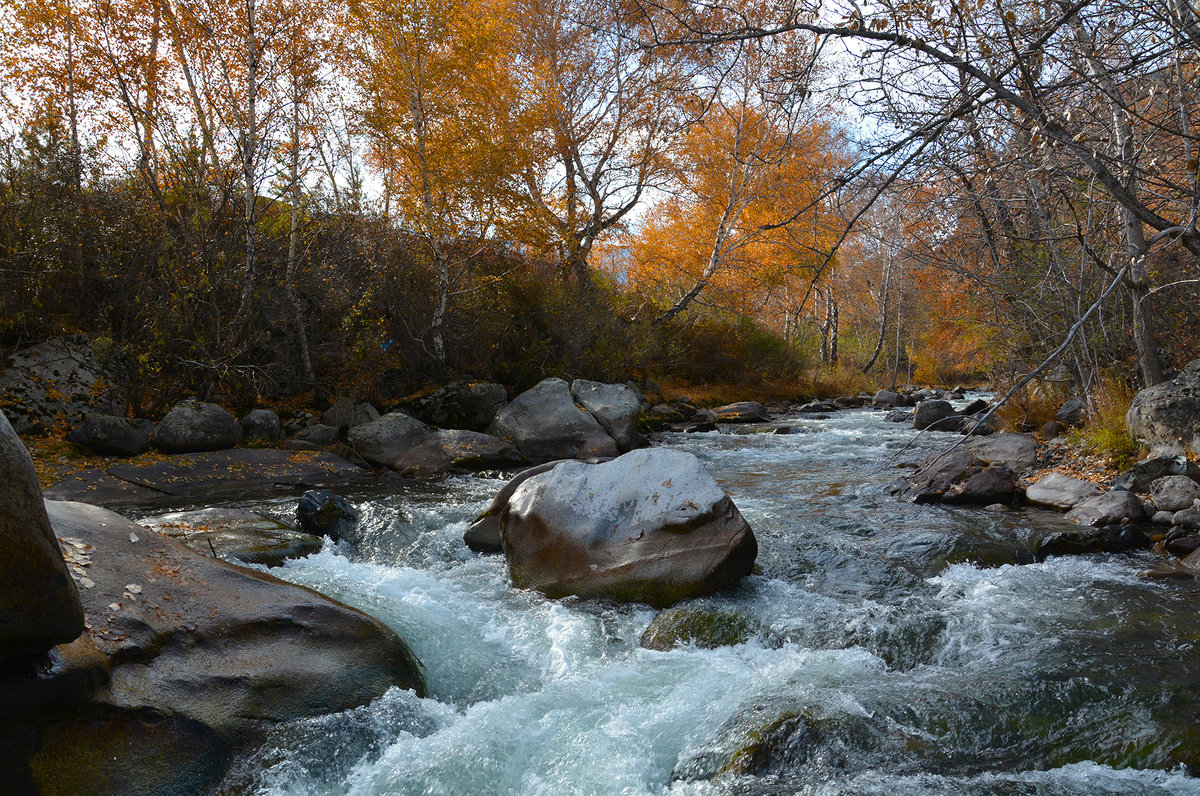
[(700, 627)]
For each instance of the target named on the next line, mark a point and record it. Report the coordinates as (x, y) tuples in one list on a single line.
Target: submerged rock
[(651, 526), (238, 534), (1106, 539), (703, 628)]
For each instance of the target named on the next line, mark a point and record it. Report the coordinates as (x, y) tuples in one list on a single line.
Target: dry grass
[(1105, 433)]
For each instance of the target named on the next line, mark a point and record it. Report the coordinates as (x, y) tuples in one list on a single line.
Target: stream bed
[(898, 649)]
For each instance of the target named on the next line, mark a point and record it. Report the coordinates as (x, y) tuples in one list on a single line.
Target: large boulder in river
[(651, 526), (474, 450), (483, 535), (958, 477), (39, 605), (933, 414), (1166, 417), (470, 405), (195, 426), (544, 423), (110, 435), (399, 442), (186, 658), (615, 406), (55, 382)]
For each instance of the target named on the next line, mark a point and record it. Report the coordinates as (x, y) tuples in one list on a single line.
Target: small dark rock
[(898, 416), (1106, 539), (1072, 413), (1181, 546), (323, 513), (975, 407), (1052, 429), (695, 428), (262, 424), (319, 434), (930, 412)]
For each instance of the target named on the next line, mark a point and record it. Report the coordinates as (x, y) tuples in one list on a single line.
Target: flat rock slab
[(1062, 492), (238, 534), (204, 474)]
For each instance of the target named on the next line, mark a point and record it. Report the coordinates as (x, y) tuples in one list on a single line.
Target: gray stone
[(974, 407), (615, 406), (234, 534), (1108, 539), (1162, 517), (399, 442), (1111, 508), (55, 383), (262, 424), (931, 413), (545, 424), (186, 657), (483, 535), (195, 426), (1187, 518), (742, 412), (698, 627), (1174, 492), (1166, 417), (319, 434), (651, 526), (323, 513), (898, 416), (109, 435), (1072, 413), (1017, 452), (1139, 477), (1058, 491), (886, 399), (346, 413), (1052, 429), (470, 405), (39, 604), (474, 450), (988, 486)]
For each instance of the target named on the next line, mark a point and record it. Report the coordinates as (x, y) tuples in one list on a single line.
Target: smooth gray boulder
[(1111, 508), (1062, 492), (1174, 492), (262, 424), (1187, 518), (110, 435), (1166, 417), (399, 442), (39, 604), (932, 414), (651, 526), (1017, 452), (346, 413), (742, 412), (886, 399), (615, 406), (545, 424), (470, 405), (54, 382), (186, 657), (194, 426)]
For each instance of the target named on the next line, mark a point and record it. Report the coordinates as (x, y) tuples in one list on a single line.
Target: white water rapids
[(909, 649)]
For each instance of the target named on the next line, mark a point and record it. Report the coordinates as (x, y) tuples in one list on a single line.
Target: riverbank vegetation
[(262, 200)]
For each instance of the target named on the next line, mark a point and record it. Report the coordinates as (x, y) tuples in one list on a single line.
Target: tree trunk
[(289, 280), (883, 314)]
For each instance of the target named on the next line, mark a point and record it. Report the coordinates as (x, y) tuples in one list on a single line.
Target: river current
[(899, 650)]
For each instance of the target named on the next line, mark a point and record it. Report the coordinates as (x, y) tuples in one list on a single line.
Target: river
[(899, 649)]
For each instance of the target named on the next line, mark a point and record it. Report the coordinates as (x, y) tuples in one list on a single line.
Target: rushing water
[(900, 650)]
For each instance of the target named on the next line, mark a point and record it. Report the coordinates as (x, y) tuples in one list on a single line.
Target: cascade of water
[(896, 649)]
